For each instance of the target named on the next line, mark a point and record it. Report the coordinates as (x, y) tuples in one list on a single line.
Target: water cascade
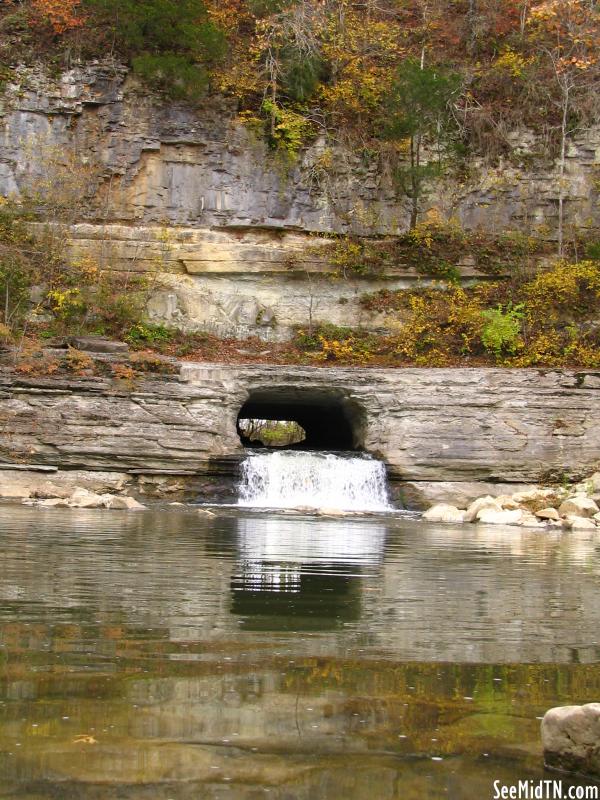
[(295, 479)]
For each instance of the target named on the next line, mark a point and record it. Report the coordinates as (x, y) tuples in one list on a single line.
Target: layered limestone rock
[(193, 194), (431, 426)]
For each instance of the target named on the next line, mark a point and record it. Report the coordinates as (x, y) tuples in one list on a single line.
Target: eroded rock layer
[(194, 195), (441, 432)]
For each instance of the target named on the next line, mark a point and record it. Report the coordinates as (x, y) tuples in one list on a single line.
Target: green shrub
[(500, 334), (592, 251), (21, 262), (145, 333), (288, 131), (170, 42), (172, 73)]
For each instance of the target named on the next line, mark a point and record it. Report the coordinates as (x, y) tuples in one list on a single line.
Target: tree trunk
[(414, 181), (561, 168), (523, 18)]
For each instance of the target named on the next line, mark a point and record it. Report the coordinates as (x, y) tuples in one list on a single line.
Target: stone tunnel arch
[(331, 419)]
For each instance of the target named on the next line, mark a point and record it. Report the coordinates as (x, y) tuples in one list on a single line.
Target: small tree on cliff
[(170, 42), (419, 114), (567, 33)]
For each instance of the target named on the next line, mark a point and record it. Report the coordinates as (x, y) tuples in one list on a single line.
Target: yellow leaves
[(241, 75), (432, 223), (86, 269), (84, 739), (289, 130), (359, 51), (65, 302), (228, 15), (570, 29), (335, 350), (540, 324), (359, 91), (512, 62), (566, 288)]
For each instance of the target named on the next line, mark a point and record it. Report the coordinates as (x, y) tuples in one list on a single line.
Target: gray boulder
[(574, 523), (82, 498), (571, 738), (98, 344), (478, 505), (490, 516), (54, 502), (548, 513), (444, 513), (124, 502), (578, 506)]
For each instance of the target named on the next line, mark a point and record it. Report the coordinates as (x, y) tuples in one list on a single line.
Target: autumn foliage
[(60, 15), (335, 62)]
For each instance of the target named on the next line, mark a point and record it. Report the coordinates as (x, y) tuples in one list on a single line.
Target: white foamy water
[(294, 479)]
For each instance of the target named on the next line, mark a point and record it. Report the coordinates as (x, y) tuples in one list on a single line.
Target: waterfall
[(296, 479)]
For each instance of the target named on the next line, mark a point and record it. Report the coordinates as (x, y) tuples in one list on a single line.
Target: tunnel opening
[(329, 419), (270, 432)]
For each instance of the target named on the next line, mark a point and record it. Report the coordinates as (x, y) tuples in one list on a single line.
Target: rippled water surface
[(168, 654)]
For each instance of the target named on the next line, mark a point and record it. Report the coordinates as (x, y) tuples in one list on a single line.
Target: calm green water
[(256, 656)]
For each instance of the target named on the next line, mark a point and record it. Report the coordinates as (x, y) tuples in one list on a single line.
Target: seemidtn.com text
[(544, 790)]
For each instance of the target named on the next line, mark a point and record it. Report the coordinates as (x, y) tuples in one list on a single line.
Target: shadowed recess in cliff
[(330, 419)]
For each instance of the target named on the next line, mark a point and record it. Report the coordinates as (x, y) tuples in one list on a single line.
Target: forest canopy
[(299, 67), (417, 87)]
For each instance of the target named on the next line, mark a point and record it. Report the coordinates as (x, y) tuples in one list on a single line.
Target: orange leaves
[(569, 32), (577, 63), (557, 12), (570, 22), (59, 15)]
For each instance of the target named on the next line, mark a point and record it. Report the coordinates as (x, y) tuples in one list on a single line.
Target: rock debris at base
[(84, 498), (572, 508)]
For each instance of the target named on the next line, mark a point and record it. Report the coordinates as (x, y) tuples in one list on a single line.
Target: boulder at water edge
[(491, 516), (578, 506), (571, 738), (478, 505), (444, 513)]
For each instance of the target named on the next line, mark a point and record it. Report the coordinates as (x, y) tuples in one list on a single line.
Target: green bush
[(20, 264), (170, 42), (592, 251), (173, 74), (145, 333), (502, 328)]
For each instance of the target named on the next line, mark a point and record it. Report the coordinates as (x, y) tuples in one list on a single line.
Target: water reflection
[(306, 540), (249, 656), (302, 574)]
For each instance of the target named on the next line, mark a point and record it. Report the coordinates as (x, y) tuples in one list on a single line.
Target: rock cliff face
[(441, 432), (194, 194)]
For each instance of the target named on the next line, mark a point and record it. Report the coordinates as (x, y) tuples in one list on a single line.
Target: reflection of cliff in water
[(120, 626), (302, 574), (299, 601), (441, 593)]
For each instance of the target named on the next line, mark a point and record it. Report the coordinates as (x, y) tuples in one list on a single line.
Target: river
[(170, 655)]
